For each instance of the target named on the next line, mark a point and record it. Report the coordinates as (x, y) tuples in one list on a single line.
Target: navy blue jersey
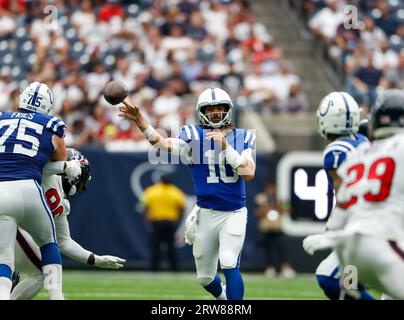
[(26, 144), (334, 155), (217, 185)]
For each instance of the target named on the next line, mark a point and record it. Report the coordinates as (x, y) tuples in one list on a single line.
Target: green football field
[(133, 285)]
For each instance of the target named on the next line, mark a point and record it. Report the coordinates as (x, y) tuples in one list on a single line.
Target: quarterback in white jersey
[(372, 195), (27, 253)]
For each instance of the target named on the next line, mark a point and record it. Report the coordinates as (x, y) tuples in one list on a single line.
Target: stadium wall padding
[(106, 219)]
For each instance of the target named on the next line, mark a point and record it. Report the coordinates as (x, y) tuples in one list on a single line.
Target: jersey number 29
[(381, 170)]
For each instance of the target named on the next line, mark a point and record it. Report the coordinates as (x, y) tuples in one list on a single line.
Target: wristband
[(233, 157), (148, 132), (91, 259)]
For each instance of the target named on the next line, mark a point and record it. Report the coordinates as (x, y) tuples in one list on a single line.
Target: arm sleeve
[(67, 245), (57, 126), (182, 149), (333, 159), (54, 167)]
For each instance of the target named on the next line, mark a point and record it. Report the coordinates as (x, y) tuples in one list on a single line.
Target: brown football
[(115, 92)]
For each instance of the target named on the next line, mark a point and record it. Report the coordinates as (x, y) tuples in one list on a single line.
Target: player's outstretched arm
[(76, 252), (134, 114)]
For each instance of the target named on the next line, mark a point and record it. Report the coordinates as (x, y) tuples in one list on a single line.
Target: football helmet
[(339, 114), (79, 184), (213, 97), (388, 114), (37, 97)]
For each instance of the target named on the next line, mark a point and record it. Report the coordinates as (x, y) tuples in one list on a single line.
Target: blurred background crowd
[(166, 52), (365, 43)]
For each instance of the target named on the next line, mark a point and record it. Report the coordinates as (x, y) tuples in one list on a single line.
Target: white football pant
[(379, 262), (219, 236)]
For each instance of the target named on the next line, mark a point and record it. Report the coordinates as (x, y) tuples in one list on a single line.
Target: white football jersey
[(372, 188), (55, 196)]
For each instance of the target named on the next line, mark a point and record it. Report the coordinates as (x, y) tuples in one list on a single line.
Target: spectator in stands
[(384, 57), (271, 239), (372, 36), (386, 21), (345, 40), (196, 30), (110, 10), (326, 21), (394, 77), (186, 45), (164, 204), (295, 102), (365, 81)]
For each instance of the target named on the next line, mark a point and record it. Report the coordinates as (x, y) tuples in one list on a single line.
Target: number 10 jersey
[(217, 185)]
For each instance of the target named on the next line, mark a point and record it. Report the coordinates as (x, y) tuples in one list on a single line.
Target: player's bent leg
[(8, 229), (27, 261), (40, 225), (205, 250), (329, 279), (231, 243), (29, 288), (390, 273), (327, 275)]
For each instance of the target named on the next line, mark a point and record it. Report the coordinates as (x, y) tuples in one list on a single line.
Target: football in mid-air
[(115, 92)]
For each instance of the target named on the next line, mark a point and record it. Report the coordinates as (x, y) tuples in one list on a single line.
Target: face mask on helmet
[(388, 114), (37, 97), (80, 183), (214, 97), (214, 118)]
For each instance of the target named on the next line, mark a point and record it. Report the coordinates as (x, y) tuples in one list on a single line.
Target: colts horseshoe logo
[(330, 104)]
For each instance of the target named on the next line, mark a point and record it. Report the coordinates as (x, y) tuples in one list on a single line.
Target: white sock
[(53, 280), (386, 297), (223, 294), (28, 288), (5, 288)]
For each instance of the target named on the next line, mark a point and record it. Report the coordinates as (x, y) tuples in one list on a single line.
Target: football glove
[(73, 169), (317, 242), (108, 262)]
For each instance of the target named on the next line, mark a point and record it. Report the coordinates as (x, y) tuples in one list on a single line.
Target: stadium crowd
[(365, 39), (166, 52)]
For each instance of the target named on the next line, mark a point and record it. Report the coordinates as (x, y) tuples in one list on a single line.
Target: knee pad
[(228, 259), (204, 281)]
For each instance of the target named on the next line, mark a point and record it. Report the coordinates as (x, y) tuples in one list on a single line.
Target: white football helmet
[(211, 97), (338, 114), (37, 97)]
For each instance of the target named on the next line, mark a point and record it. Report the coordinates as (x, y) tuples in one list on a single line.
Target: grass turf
[(134, 285)]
